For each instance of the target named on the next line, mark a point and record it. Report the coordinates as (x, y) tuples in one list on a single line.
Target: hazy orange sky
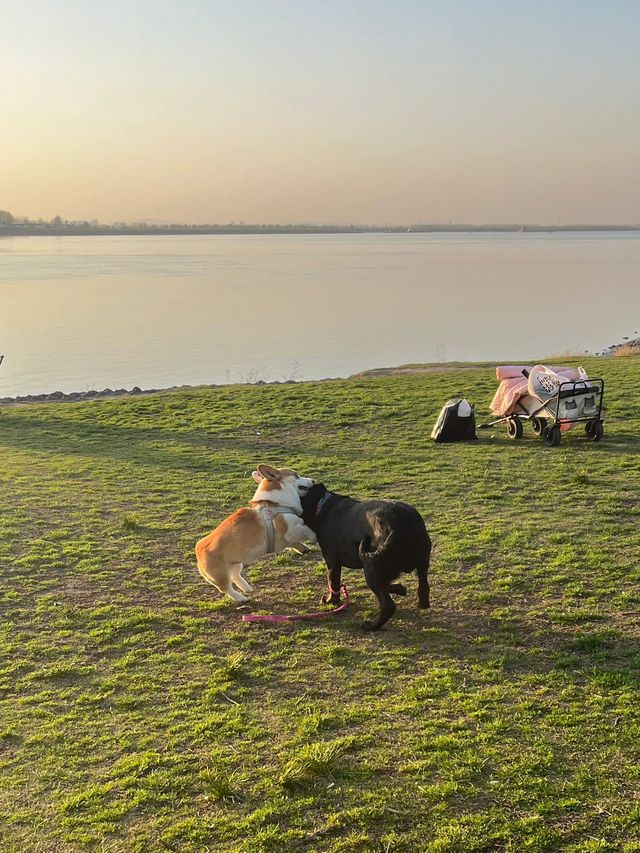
[(351, 111)]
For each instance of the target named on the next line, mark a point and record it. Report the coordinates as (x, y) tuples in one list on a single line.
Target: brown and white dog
[(271, 524)]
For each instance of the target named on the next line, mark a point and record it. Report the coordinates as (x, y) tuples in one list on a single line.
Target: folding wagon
[(554, 400)]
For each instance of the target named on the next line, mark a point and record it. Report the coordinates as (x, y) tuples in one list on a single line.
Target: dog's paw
[(327, 598), (424, 605), (398, 589), (368, 625)]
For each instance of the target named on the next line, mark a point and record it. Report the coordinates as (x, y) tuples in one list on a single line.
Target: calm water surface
[(93, 312)]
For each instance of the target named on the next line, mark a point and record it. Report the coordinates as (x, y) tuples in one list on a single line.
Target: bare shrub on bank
[(627, 349)]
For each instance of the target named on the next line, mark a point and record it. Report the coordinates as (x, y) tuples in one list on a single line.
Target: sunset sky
[(291, 111)]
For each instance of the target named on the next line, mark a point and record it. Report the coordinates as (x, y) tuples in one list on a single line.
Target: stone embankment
[(77, 396), (627, 345), (82, 396)]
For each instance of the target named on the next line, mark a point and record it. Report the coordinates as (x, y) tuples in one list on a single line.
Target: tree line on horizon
[(14, 224)]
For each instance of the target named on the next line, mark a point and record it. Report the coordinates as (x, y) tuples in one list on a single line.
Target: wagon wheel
[(514, 428), (594, 429), (552, 436), (538, 425)]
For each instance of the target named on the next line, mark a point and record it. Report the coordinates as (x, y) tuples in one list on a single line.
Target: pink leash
[(257, 617)]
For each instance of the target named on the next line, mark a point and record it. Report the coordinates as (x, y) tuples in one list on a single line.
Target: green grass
[(138, 713)]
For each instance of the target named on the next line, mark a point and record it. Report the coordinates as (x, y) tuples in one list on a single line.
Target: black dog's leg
[(334, 579), (380, 588), (397, 589), (423, 585), (422, 570)]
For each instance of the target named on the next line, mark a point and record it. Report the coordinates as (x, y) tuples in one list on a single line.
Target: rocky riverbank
[(82, 396), (627, 347)]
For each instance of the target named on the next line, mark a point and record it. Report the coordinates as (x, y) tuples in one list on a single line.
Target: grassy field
[(138, 713)]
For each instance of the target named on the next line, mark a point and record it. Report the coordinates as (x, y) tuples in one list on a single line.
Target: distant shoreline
[(46, 230)]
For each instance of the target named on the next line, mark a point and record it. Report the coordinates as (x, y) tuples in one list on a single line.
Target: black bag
[(456, 422)]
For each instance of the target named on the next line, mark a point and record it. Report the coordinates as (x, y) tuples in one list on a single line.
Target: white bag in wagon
[(576, 400)]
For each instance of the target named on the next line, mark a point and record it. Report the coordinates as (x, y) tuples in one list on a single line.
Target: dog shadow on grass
[(608, 647), (579, 645)]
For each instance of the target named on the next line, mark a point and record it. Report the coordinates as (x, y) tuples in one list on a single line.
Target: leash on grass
[(321, 614)]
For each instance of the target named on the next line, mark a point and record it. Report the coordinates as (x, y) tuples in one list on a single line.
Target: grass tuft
[(220, 786), (131, 523), (235, 666), (313, 763)]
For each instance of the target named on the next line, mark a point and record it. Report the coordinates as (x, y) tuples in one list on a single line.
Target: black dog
[(385, 538)]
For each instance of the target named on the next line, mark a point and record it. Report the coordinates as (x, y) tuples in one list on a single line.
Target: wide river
[(78, 313)]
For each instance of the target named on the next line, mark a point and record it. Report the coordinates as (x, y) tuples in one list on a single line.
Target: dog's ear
[(317, 490), (257, 476), (268, 472)]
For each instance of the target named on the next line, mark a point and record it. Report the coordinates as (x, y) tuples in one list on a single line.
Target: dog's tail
[(369, 554)]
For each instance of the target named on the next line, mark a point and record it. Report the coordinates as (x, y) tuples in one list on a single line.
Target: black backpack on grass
[(456, 422)]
